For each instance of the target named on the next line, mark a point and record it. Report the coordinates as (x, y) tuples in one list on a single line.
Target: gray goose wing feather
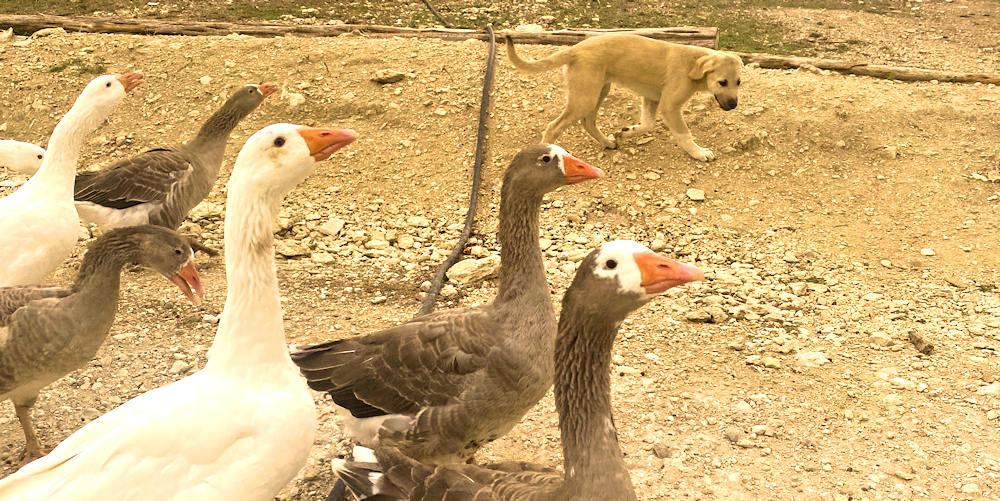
[(146, 177), (401, 370), (511, 481), (13, 298)]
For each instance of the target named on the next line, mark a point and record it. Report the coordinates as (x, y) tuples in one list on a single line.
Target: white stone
[(332, 227), (695, 194), (474, 270)]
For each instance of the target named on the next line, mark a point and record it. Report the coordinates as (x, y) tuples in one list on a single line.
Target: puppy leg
[(590, 121), (648, 121), (583, 95), (671, 112)]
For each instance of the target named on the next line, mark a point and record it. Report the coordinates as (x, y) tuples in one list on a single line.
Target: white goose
[(38, 222), (22, 158), (242, 427)]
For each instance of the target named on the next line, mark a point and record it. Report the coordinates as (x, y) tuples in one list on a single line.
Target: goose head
[(280, 156), (250, 96), (546, 167), (23, 158), (630, 271), (108, 90), (164, 251)]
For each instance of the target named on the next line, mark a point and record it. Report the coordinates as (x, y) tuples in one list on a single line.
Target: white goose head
[(106, 91), (637, 271), (23, 158), (280, 156)]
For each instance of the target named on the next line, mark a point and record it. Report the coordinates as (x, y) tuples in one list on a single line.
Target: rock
[(745, 443), (91, 413), (179, 367), (701, 315), (927, 252), (210, 319), (333, 227), (790, 258), (47, 32), (771, 362), (388, 76), (798, 288), (871, 296), (419, 222), (448, 291), (733, 434), (743, 407), (903, 475), (322, 258), (880, 339), (902, 384), (205, 80), (811, 358), (921, 344), (473, 270), (991, 389), (7, 34), (290, 249), (529, 28), (970, 489), (661, 451), (379, 299), (695, 194)]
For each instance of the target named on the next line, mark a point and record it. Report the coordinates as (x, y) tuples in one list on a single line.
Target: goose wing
[(146, 177)]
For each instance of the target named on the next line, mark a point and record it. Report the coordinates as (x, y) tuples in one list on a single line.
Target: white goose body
[(39, 222), (242, 427)]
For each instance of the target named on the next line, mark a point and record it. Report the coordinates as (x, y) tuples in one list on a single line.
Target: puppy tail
[(550, 63)]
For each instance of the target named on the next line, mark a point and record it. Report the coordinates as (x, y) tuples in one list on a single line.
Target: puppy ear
[(703, 65)]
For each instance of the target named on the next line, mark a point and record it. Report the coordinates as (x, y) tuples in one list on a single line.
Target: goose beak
[(267, 89), (325, 142), (659, 273), (187, 279), (130, 80), (577, 170)]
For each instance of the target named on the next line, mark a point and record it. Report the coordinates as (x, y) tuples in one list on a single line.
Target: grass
[(741, 28), (84, 67)]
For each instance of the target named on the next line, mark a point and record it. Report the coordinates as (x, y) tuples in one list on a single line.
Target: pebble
[(179, 367), (473, 270), (927, 252), (695, 194), (322, 258), (388, 76), (771, 362), (733, 434), (333, 227), (880, 339)]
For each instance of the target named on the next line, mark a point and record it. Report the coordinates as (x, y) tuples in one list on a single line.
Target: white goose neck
[(58, 169), (251, 337)]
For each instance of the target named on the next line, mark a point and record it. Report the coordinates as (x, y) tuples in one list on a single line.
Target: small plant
[(96, 68)]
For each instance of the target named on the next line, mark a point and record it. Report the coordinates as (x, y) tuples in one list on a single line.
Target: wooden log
[(871, 70), (28, 24)]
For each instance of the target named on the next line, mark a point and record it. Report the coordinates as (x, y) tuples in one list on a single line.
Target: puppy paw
[(702, 154)]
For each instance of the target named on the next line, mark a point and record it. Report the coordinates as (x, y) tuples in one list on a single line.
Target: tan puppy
[(666, 75)]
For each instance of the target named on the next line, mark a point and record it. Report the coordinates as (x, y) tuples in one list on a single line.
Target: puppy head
[(721, 72)]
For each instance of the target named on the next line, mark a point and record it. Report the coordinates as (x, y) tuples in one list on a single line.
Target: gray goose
[(442, 385), (48, 332), (613, 281), (160, 186)]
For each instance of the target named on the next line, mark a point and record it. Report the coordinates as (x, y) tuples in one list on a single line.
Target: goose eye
[(107, 84), (723, 83), (611, 264), (738, 82), (546, 158), (39, 157), (177, 251), (279, 142)]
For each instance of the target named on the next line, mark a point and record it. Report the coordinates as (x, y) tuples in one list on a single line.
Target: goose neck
[(583, 399), (522, 271), (58, 168), (251, 338)]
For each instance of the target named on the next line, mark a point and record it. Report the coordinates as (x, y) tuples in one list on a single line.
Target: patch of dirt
[(828, 195)]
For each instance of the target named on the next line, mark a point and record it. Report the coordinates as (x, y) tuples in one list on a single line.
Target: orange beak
[(577, 170), (267, 89), (659, 273), (187, 279), (130, 80), (325, 142)]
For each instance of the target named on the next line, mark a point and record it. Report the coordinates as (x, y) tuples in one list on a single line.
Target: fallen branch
[(871, 70), (28, 24)]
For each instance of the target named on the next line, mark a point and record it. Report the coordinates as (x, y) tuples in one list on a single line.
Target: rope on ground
[(437, 15), (477, 168)]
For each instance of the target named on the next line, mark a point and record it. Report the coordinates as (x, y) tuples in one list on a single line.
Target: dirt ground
[(843, 215)]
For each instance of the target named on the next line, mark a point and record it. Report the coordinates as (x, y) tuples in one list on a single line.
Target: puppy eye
[(724, 83), (279, 142), (611, 264)]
